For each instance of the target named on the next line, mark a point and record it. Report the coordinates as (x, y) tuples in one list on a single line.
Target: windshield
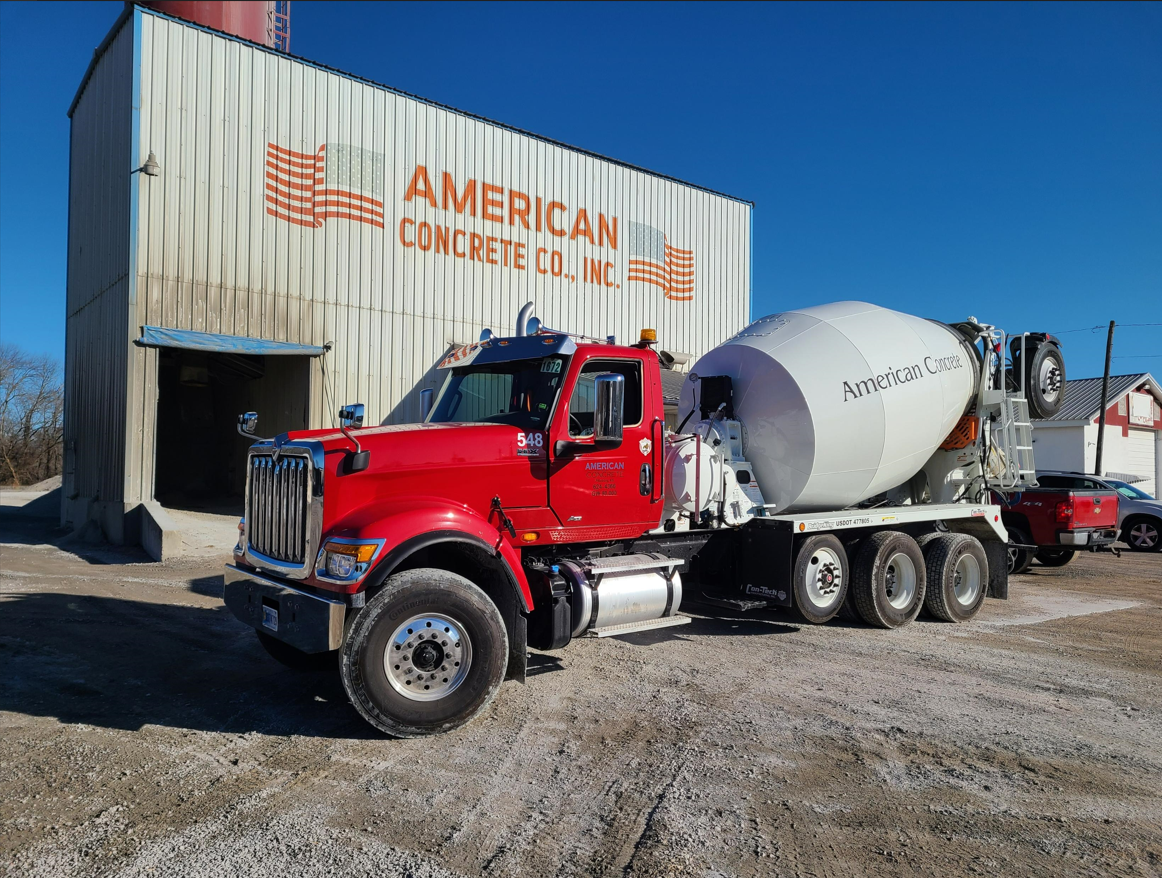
[(519, 392), (1129, 490)]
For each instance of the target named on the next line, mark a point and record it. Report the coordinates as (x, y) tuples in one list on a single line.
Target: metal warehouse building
[(250, 231)]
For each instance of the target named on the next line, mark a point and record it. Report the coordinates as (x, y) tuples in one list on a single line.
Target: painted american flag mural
[(653, 260), (335, 182)]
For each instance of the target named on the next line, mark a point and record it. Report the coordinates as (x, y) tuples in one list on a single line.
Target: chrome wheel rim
[(900, 581), (1144, 536), (966, 580), (1012, 559), (1049, 380), (824, 577), (428, 657)]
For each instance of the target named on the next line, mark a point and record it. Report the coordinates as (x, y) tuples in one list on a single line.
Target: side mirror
[(608, 408), (351, 415), (426, 397), (248, 423)]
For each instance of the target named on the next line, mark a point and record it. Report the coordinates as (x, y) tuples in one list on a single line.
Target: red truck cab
[(1065, 513), (515, 454)]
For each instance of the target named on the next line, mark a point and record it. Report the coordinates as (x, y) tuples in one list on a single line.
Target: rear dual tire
[(957, 572), (889, 581)]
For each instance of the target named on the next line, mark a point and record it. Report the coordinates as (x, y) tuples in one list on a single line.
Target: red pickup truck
[(1065, 513)]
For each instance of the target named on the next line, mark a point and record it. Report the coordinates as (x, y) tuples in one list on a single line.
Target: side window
[(581, 403)]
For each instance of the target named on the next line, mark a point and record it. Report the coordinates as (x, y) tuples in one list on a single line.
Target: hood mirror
[(248, 425), (351, 418)]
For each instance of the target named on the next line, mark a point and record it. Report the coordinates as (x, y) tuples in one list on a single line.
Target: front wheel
[(1142, 535), (426, 655), (1055, 557)]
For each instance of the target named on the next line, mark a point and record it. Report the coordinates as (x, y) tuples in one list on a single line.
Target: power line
[(1095, 328)]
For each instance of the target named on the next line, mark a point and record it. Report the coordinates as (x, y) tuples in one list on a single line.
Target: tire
[(1045, 380), (1143, 534), (957, 570), (1055, 557), (819, 578), (888, 580), (925, 539), (293, 658), (1019, 559), (461, 667)]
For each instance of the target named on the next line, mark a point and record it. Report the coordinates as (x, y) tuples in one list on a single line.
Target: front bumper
[(1086, 537), (305, 621)]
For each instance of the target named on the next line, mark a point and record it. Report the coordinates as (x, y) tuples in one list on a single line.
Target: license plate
[(270, 618)]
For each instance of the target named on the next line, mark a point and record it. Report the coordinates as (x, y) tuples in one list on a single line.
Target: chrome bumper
[(1086, 538), (305, 621)]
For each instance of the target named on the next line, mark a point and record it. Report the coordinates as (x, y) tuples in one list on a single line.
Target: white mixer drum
[(841, 402)]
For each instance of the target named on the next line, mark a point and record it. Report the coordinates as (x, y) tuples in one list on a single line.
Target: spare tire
[(1045, 379)]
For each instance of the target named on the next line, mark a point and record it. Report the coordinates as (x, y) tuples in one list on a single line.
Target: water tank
[(841, 402), (252, 20)]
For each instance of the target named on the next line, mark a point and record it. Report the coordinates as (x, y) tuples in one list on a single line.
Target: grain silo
[(252, 231)]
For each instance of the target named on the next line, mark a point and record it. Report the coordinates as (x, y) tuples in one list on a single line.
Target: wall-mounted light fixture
[(151, 168)]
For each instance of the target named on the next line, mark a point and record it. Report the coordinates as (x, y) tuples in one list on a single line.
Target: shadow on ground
[(17, 528), (123, 664)]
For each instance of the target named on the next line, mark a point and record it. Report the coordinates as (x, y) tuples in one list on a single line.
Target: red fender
[(411, 524)]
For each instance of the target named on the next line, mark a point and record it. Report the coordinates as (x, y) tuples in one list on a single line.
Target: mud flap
[(998, 558)]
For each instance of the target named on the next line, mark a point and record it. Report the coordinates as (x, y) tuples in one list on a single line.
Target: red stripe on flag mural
[(297, 191), (674, 274)]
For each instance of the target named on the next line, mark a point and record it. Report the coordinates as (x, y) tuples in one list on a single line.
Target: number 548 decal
[(530, 444)]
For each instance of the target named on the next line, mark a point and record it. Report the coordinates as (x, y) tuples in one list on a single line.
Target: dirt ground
[(143, 732)]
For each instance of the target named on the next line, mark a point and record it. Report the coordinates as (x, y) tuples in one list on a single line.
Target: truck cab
[(532, 441)]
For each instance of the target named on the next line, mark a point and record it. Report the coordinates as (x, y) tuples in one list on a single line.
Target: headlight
[(347, 560), (340, 566)]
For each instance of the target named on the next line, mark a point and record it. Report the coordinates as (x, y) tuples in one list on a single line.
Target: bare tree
[(31, 416)]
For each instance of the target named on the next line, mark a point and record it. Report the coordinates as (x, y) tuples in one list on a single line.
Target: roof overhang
[(212, 342)]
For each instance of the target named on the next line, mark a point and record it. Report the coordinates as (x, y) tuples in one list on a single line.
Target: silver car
[(1139, 517)]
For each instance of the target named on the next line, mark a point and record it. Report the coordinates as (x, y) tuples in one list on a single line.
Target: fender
[(424, 521)]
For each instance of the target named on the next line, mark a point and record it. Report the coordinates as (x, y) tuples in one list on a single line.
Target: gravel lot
[(144, 732)]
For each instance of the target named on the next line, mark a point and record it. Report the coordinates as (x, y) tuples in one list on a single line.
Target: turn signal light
[(530, 537), (360, 552), (1065, 511)]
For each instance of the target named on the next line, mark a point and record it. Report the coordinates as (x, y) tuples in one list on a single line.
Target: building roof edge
[(130, 7)]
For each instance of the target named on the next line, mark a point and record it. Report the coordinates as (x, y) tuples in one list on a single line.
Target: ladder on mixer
[(1012, 436)]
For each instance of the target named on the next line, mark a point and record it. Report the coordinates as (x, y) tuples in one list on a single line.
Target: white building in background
[(251, 231), (1133, 433)]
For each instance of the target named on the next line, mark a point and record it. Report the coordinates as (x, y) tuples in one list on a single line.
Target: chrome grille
[(277, 507)]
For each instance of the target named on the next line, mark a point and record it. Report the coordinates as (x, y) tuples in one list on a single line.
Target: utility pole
[(1105, 392)]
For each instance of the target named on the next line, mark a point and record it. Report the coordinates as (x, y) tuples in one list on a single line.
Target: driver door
[(601, 493)]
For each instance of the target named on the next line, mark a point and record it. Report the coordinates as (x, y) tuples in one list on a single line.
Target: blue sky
[(999, 160)]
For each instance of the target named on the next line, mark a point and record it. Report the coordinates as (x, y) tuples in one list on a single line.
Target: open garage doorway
[(201, 458)]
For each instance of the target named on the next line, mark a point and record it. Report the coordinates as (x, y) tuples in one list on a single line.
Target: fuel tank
[(841, 402)]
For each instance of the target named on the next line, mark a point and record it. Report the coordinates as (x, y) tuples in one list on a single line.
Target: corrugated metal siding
[(212, 258), (97, 290)]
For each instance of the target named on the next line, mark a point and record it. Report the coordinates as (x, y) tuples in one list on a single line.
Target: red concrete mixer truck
[(841, 453)]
